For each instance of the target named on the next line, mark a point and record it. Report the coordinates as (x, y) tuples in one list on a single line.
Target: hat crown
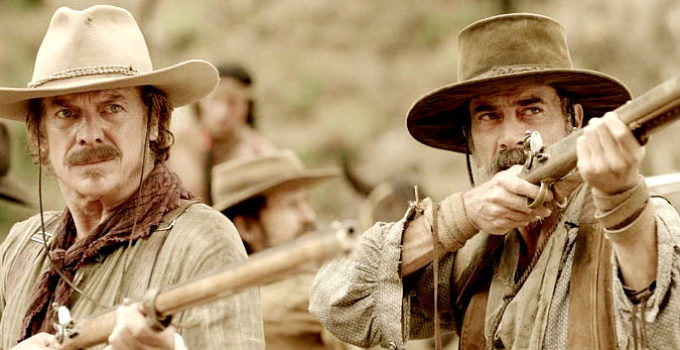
[(510, 43), (253, 171), (100, 36), (242, 178), (258, 171)]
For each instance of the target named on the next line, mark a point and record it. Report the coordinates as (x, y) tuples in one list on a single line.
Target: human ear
[(153, 128), (578, 115)]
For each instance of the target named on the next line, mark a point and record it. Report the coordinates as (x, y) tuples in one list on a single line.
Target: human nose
[(307, 214), (89, 131), (513, 134)]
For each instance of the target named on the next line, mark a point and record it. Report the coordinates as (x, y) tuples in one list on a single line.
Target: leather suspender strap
[(477, 295), (591, 321), (472, 329), (435, 270), (137, 286), (159, 235)]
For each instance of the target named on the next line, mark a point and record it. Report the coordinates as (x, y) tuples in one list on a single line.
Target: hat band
[(505, 70), (83, 71)]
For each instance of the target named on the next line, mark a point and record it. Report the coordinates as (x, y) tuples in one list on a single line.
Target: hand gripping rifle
[(260, 268), (644, 115)]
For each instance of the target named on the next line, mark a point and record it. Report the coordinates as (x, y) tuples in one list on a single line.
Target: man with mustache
[(595, 267), (97, 115), (265, 196)]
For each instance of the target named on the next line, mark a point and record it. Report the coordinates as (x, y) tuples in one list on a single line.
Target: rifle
[(644, 115), (545, 165), (260, 268)]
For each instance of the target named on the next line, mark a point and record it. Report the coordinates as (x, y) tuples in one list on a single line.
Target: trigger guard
[(540, 198)]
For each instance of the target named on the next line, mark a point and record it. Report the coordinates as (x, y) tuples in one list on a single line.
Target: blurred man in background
[(10, 189), (97, 116), (266, 198), (593, 266), (225, 130)]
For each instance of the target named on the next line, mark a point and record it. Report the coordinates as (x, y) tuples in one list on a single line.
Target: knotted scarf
[(161, 192)]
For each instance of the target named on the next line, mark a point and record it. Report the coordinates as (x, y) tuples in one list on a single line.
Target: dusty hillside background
[(337, 77)]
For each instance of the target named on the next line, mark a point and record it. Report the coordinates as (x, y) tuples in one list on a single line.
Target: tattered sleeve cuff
[(453, 225), (619, 210), (643, 220)]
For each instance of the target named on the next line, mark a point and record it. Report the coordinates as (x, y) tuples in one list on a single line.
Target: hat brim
[(15, 191), (437, 118), (184, 83), (308, 179)]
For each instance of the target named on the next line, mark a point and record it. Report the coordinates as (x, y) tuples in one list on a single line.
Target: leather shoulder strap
[(154, 243), (472, 328), (50, 225), (591, 321)]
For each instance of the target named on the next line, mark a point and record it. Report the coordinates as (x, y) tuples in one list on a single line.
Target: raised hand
[(609, 156), (500, 204)]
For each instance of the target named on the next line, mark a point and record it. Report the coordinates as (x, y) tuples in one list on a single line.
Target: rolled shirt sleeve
[(358, 298)]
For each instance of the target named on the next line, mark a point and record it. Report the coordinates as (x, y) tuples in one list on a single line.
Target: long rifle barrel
[(260, 268), (644, 115)]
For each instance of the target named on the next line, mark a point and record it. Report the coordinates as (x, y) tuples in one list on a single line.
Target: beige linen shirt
[(202, 241), (362, 299)]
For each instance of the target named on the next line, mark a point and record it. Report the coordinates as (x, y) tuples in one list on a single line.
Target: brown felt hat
[(243, 178), (100, 48), (503, 50), (10, 189)]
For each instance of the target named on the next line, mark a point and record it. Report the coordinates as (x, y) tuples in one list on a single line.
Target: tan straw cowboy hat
[(502, 50), (102, 48), (243, 178), (10, 189)]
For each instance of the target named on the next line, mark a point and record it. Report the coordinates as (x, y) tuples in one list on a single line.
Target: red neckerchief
[(161, 193)]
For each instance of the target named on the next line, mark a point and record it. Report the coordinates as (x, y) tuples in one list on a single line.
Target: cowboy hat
[(102, 48), (10, 189), (503, 50), (243, 178)]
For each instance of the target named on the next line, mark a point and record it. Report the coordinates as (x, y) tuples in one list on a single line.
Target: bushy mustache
[(92, 154), (507, 158)]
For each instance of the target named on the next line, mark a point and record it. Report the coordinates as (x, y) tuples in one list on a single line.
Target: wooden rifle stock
[(643, 115), (260, 268)]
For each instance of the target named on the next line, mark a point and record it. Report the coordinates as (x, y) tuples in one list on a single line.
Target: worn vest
[(591, 322)]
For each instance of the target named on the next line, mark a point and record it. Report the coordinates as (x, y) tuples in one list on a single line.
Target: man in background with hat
[(97, 115), (266, 198), (594, 267)]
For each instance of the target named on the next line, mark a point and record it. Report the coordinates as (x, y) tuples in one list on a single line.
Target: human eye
[(64, 113), (533, 110), (114, 108), (487, 116)]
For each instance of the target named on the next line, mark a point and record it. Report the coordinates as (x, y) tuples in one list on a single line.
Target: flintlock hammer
[(644, 115)]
